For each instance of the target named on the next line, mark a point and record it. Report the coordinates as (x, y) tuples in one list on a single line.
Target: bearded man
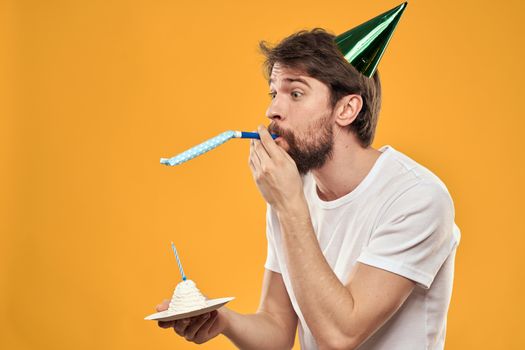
[(361, 241)]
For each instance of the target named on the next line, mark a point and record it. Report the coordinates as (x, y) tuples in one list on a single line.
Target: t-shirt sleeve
[(272, 262), (415, 234)]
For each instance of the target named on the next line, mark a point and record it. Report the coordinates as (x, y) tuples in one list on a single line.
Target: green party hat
[(364, 45)]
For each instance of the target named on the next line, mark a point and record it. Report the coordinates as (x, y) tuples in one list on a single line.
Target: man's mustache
[(274, 129)]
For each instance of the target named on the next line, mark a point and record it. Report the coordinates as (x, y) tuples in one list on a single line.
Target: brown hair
[(316, 53)]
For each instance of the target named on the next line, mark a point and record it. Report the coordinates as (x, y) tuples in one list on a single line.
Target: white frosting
[(186, 297)]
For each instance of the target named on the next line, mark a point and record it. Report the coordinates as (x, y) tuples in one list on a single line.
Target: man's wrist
[(295, 209), (226, 315)]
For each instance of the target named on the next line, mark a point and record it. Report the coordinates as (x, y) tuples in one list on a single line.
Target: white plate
[(212, 304)]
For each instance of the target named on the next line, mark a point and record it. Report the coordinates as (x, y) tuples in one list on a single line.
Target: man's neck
[(349, 165)]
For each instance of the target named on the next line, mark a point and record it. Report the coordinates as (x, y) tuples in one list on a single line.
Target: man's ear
[(348, 108)]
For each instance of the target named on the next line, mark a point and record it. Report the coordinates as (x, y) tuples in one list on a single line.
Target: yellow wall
[(95, 92)]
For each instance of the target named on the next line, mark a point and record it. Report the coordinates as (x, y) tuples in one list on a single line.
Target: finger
[(166, 324), (163, 306), (214, 325), (203, 334), (252, 167), (261, 152), (268, 142), (287, 156), (254, 157), (204, 330), (195, 326), (250, 162), (180, 326)]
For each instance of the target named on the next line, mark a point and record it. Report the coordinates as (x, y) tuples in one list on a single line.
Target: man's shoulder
[(423, 178)]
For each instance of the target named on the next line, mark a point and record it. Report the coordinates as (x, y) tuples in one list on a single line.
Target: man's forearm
[(325, 302), (256, 331)]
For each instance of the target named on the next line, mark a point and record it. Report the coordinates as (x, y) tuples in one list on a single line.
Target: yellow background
[(95, 92)]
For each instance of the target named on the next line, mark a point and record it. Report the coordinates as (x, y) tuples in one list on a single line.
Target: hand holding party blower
[(209, 145)]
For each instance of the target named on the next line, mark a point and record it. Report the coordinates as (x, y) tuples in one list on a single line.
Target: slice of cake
[(186, 297)]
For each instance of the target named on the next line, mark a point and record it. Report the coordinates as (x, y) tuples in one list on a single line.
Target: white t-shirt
[(400, 218)]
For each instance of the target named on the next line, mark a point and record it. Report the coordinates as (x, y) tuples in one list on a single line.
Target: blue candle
[(178, 262)]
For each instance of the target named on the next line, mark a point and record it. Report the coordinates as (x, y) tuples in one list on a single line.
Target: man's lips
[(280, 141)]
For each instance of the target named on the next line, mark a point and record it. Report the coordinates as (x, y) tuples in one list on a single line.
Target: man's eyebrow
[(292, 80)]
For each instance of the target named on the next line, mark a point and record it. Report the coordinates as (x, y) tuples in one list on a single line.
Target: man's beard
[(314, 150)]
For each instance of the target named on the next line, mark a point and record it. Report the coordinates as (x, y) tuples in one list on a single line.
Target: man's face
[(301, 115)]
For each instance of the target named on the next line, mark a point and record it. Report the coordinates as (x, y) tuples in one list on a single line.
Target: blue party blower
[(209, 145)]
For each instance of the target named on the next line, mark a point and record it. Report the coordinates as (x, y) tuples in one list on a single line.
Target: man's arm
[(274, 324), (339, 316)]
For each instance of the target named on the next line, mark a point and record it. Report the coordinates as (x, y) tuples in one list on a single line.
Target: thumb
[(163, 306), (286, 155)]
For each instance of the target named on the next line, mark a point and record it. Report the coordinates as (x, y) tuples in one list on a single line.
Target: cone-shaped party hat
[(364, 45)]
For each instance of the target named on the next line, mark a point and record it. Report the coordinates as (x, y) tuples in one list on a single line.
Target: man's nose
[(275, 110)]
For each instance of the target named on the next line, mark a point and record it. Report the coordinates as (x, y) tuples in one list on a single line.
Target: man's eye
[(296, 94), (272, 95)]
